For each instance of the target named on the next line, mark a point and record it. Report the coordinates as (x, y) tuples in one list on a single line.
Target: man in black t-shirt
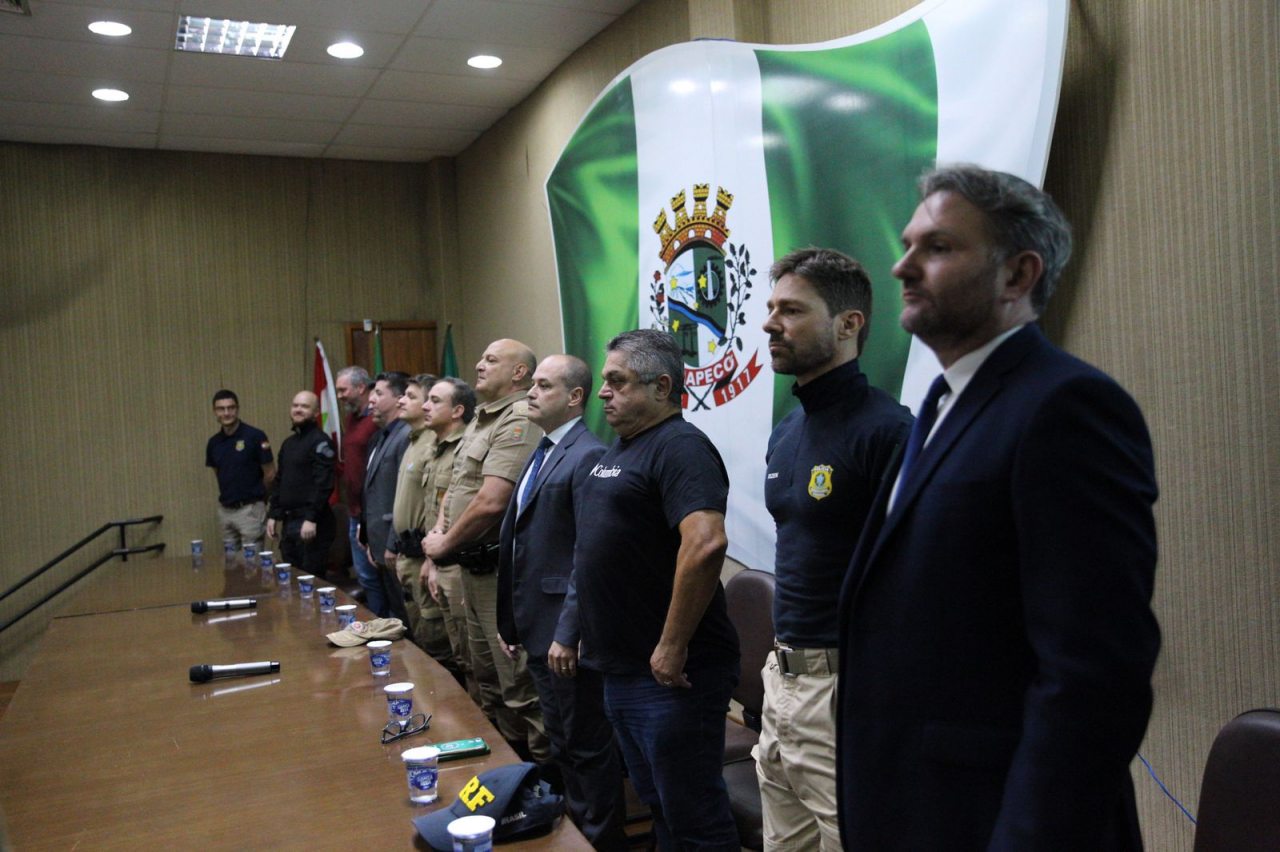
[(240, 456), (650, 547)]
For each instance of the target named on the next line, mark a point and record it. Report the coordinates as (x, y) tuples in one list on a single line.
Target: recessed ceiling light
[(345, 50), (483, 61), (237, 38), (110, 95), (114, 29)]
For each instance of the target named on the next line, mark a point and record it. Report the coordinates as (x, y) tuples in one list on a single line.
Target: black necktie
[(538, 455), (923, 425)]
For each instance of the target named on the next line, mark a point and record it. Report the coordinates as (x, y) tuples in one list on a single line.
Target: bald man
[(489, 461), (299, 515)]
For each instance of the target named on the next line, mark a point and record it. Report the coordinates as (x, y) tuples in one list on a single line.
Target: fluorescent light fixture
[(345, 50), (110, 95), (236, 38), (484, 61), (115, 29)]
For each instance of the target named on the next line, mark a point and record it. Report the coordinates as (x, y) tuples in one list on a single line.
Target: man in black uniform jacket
[(300, 515)]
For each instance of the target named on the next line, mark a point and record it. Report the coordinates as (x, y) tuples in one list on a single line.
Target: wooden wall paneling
[(134, 285)]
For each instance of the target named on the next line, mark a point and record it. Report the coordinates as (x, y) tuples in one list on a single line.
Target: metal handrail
[(123, 551)]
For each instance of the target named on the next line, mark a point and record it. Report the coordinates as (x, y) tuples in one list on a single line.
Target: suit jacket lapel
[(375, 455), (556, 452), (986, 383)]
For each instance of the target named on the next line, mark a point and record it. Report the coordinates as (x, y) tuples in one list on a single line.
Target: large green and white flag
[(702, 162)]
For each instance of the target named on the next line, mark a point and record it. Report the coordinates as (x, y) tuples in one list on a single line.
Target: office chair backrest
[(749, 599), (1240, 793)]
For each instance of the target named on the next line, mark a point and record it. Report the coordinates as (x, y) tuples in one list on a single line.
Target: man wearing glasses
[(650, 547)]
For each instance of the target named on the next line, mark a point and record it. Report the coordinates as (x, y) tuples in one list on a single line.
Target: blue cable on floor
[(1166, 789)]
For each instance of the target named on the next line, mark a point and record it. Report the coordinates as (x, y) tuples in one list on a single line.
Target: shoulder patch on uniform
[(820, 481), (266, 445), (521, 406), (325, 450), (517, 431)]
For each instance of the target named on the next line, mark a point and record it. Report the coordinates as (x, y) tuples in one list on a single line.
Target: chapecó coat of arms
[(699, 294)]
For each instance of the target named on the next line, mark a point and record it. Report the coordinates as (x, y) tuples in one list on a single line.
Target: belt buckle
[(780, 651)]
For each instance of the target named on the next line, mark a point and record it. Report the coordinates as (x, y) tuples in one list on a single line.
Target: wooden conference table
[(108, 744)]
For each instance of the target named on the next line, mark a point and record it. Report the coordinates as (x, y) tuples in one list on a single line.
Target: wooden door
[(409, 347)]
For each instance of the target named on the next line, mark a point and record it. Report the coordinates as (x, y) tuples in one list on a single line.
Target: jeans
[(374, 599), (673, 742)]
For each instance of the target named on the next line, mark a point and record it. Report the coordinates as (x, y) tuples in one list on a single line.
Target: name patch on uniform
[(820, 481)]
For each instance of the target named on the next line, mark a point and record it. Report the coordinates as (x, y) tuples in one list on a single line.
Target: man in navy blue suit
[(997, 639), (535, 566)]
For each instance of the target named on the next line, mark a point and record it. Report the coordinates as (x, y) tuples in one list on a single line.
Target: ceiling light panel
[(235, 38)]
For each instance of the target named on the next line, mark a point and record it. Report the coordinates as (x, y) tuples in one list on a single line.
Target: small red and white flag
[(329, 418)]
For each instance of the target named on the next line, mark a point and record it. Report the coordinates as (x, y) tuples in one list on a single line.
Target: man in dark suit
[(534, 571), (997, 639), (386, 449)]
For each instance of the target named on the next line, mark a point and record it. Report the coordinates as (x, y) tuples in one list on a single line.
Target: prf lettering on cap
[(473, 795)]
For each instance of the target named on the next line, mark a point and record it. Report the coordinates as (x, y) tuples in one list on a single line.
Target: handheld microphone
[(230, 603), (203, 673)]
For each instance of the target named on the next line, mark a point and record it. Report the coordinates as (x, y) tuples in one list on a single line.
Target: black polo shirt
[(238, 459)]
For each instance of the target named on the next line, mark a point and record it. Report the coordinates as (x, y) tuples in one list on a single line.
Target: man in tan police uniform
[(490, 459), (410, 521), (450, 406)]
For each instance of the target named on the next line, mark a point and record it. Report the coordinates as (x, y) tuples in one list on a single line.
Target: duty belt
[(819, 662), (411, 544), (476, 558)]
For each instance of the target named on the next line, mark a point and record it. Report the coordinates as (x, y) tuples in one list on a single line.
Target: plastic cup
[(197, 547), (284, 573), (380, 657), (266, 559), (229, 548), (399, 701), (472, 833), (250, 552), (346, 614), (306, 584), (328, 597), (422, 770)]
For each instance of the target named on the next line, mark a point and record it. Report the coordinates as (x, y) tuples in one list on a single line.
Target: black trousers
[(582, 746), (311, 556)]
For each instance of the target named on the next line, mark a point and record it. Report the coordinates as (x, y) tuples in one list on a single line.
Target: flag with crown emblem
[(702, 162)]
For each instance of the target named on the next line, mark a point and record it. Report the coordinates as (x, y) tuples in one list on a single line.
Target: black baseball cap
[(513, 795)]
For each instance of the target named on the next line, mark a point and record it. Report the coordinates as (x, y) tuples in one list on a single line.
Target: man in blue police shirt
[(240, 456), (825, 462)]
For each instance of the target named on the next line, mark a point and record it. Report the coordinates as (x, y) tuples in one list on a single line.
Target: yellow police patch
[(239, 446), (820, 481)]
